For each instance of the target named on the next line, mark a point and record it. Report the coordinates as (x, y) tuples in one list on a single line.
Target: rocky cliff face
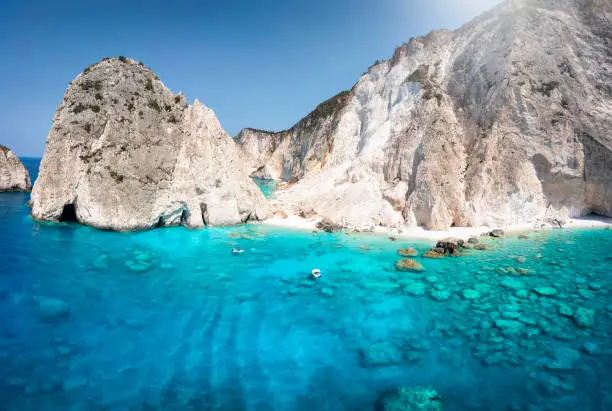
[(13, 174), (125, 153), (506, 120), (293, 153)]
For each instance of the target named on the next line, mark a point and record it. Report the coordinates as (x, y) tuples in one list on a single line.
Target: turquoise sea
[(170, 319)]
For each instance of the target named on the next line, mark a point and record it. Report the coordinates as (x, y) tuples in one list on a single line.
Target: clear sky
[(257, 63)]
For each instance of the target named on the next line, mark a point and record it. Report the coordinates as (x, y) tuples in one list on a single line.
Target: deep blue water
[(170, 319)]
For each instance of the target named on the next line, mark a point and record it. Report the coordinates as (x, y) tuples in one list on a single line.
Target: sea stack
[(506, 120), (13, 174), (125, 153)]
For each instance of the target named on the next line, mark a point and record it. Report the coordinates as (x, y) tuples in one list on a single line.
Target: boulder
[(407, 252), (450, 245), (473, 240), (125, 153), (13, 174), (411, 399), (497, 233), (328, 225), (406, 264), (433, 254)]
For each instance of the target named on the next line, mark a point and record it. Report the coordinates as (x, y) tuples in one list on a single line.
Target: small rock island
[(125, 153), (13, 174)]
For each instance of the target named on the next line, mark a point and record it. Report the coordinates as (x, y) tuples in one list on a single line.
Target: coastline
[(419, 233)]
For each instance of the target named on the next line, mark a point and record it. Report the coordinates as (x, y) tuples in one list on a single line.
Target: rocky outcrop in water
[(506, 120), (125, 153), (13, 174)]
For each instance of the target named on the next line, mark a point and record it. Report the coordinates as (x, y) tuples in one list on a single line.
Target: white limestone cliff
[(506, 120), (13, 174), (125, 153)]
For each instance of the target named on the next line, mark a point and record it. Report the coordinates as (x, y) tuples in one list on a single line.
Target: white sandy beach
[(299, 223)]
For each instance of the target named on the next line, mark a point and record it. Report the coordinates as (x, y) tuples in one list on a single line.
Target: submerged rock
[(508, 324), (415, 289), (471, 294), (125, 153), (524, 271), (52, 308), (382, 354), (584, 317), (565, 310), (591, 348), (440, 295), (411, 399), (545, 291), (564, 359), (13, 174), (512, 284)]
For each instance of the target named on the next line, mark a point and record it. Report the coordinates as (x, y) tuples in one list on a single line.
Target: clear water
[(171, 320), (267, 187)]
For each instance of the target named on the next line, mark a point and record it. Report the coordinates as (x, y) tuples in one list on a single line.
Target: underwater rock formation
[(125, 153), (411, 399), (506, 120), (13, 174)]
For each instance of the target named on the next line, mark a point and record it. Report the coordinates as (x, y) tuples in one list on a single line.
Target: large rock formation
[(293, 153), (506, 120), (13, 174), (125, 153)]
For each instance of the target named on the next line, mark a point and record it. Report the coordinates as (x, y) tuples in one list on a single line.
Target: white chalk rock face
[(125, 153), (13, 174), (506, 120)]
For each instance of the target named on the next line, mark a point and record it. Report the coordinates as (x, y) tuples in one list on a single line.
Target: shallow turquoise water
[(171, 320), (267, 187)]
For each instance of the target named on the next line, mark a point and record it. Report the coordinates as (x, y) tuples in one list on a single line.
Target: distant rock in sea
[(506, 120), (125, 153), (13, 174)]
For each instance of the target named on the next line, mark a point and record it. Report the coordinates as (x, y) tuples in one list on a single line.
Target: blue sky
[(257, 63)]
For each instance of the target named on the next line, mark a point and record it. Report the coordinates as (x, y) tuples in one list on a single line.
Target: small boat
[(237, 251), (316, 273)]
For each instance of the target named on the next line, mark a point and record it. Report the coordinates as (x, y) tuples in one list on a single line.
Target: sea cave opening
[(68, 214)]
